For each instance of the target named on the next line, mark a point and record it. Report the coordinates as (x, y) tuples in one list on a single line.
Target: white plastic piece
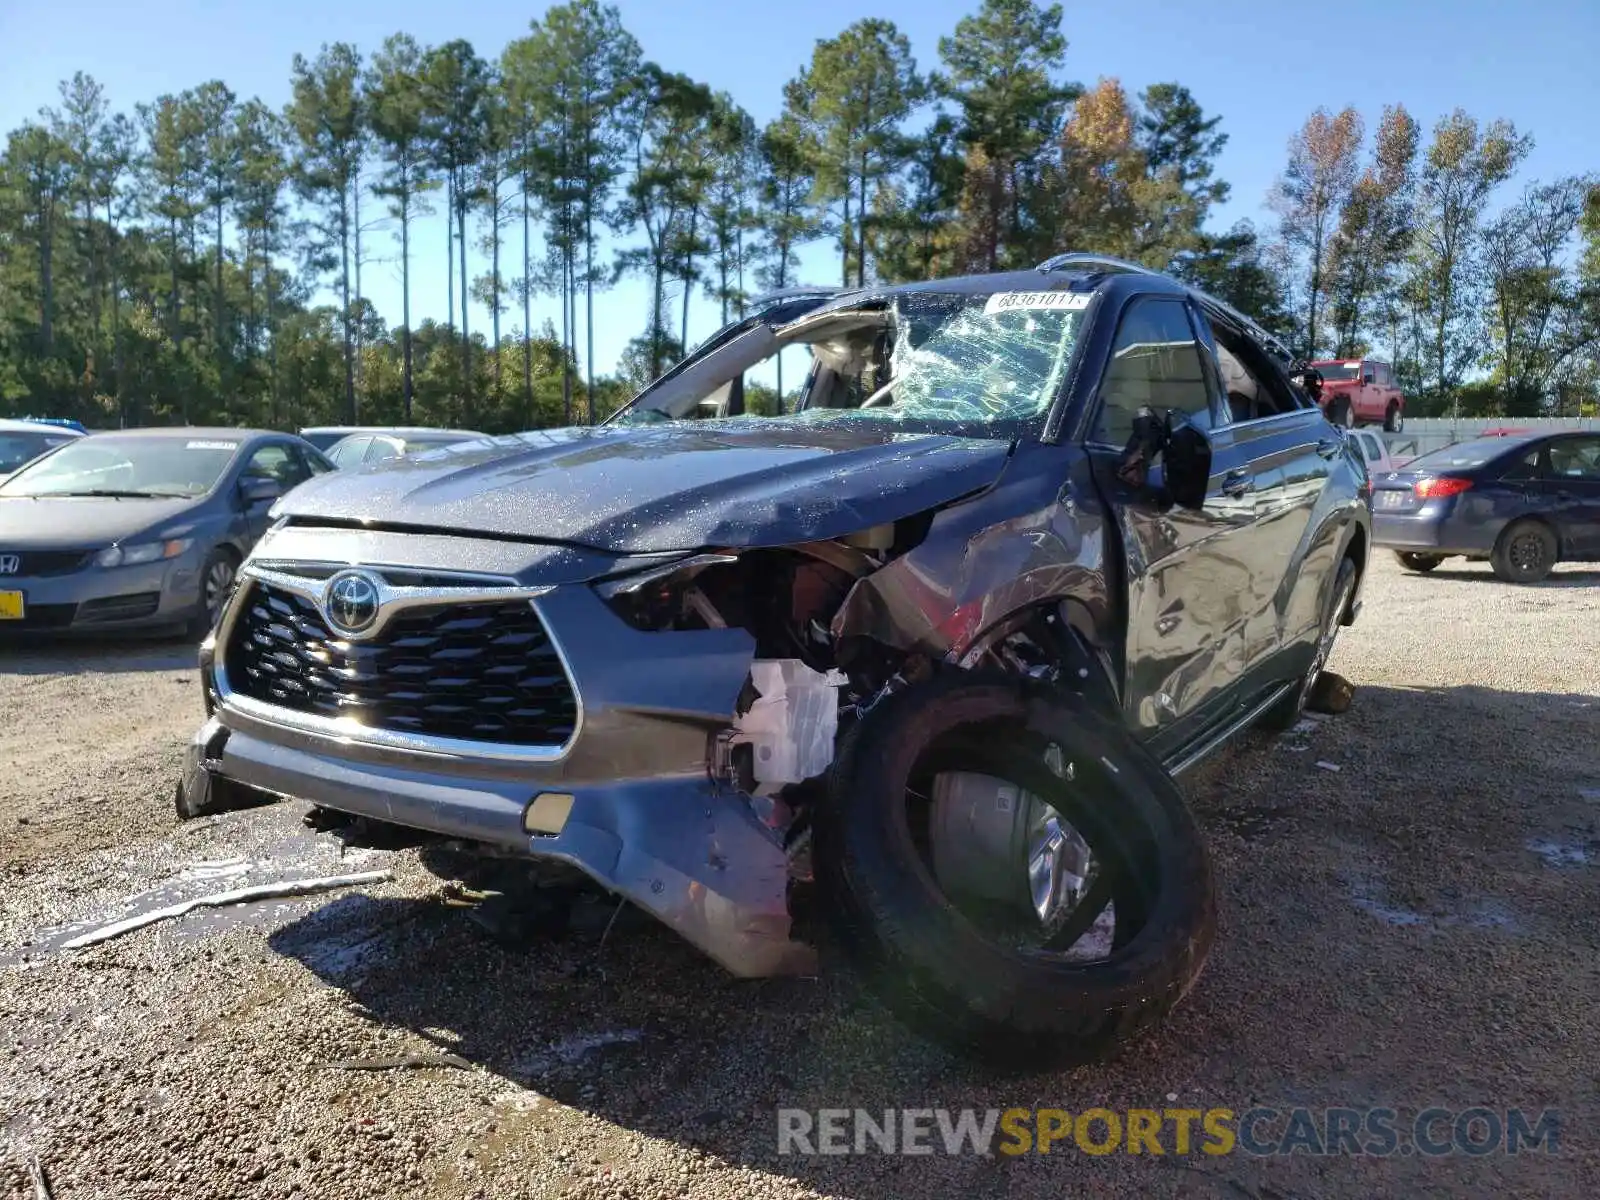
[(265, 891), (791, 727)]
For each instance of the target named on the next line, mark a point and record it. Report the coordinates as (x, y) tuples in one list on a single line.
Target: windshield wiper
[(117, 494)]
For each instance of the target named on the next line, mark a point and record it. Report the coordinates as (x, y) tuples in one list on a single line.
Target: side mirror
[(1182, 447), (259, 489), (1188, 466)]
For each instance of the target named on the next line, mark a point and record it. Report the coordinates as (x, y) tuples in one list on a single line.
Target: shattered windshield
[(995, 358), (980, 364)]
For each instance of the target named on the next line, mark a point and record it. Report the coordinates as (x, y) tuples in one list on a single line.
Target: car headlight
[(143, 552), (656, 598)]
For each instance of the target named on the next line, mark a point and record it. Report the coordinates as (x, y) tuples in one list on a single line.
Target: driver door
[(1186, 571)]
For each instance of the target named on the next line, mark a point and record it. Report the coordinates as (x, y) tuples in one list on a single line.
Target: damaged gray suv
[(929, 645)]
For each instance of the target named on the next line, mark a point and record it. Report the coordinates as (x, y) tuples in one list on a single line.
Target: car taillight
[(1432, 489)]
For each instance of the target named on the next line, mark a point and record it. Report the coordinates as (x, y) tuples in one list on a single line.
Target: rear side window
[(1155, 363), (349, 451), (1575, 458), (381, 449)]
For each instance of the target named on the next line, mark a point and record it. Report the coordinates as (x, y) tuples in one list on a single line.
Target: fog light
[(548, 813)]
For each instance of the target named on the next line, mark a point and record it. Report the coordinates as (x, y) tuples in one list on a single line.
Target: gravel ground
[(1414, 928)]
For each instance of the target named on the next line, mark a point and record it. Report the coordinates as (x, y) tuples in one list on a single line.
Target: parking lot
[(1408, 899)]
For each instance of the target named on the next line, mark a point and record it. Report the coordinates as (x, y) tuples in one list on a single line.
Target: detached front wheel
[(1016, 877)]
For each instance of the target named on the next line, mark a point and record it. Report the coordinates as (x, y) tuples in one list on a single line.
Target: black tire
[(218, 574), (1340, 412), (932, 966), (1421, 563), (1393, 421), (1526, 552), (1286, 713)]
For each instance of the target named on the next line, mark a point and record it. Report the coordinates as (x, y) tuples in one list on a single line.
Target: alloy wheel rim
[(1527, 553), (218, 580), (1059, 865)]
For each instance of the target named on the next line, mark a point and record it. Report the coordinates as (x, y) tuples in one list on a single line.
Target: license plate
[(1391, 499), (12, 606)]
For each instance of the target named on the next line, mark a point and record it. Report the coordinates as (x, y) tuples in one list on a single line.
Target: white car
[(23, 441), (1375, 451)]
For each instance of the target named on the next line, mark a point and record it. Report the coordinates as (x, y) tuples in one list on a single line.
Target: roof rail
[(1096, 262), (792, 293)]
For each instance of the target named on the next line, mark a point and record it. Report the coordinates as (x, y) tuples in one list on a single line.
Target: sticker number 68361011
[(1057, 300)]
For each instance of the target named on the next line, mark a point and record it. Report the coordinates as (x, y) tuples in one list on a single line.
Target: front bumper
[(645, 819), (145, 596)]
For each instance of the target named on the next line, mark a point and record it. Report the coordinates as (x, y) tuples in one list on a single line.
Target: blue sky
[(1251, 61)]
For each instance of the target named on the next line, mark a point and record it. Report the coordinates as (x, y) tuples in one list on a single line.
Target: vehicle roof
[(1318, 362), (1069, 272), (1493, 446), (395, 429), (19, 425), (215, 432)]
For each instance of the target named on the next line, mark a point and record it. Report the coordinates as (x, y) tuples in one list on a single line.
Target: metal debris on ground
[(266, 891), (1328, 766), (41, 1181)]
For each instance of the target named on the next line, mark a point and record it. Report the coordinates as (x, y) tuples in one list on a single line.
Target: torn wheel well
[(1049, 642)]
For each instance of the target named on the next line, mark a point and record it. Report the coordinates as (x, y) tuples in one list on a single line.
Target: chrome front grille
[(479, 669)]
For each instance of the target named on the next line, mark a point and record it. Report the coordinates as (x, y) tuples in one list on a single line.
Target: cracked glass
[(981, 359)]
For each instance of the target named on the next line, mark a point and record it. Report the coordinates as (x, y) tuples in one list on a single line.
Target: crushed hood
[(678, 486)]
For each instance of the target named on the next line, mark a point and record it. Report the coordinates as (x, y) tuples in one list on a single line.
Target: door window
[(381, 449), (348, 452), (1155, 363), (276, 462), (1253, 388), (1576, 458), (311, 462)]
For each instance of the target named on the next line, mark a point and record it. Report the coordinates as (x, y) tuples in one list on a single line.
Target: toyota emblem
[(351, 603)]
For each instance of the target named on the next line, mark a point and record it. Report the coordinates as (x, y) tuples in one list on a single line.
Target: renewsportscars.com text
[(1381, 1132)]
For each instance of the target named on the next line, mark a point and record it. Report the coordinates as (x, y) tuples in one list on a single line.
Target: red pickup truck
[(1361, 391)]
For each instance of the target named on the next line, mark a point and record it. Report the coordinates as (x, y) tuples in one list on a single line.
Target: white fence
[(1423, 434)]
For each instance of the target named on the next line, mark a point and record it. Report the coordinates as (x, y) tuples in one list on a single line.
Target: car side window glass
[(1252, 389), (380, 449), (273, 462), (1525, 465), (1576, 458), (295, 470), (313, 462), (1155, 363), (348, 452)]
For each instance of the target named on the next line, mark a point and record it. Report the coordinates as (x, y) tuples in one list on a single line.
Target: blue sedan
[(140, 528), (1523, 503)]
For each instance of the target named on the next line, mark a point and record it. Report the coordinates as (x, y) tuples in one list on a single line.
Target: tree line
[(201, 257)]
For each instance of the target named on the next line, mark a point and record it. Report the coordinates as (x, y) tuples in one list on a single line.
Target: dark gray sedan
[(1524, 503), (142, 528)]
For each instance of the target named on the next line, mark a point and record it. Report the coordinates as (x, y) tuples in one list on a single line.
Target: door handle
[(1329, 447), (1237, 483)]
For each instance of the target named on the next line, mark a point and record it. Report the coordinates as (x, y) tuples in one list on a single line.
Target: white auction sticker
[(1058, 300), (211, 445)]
